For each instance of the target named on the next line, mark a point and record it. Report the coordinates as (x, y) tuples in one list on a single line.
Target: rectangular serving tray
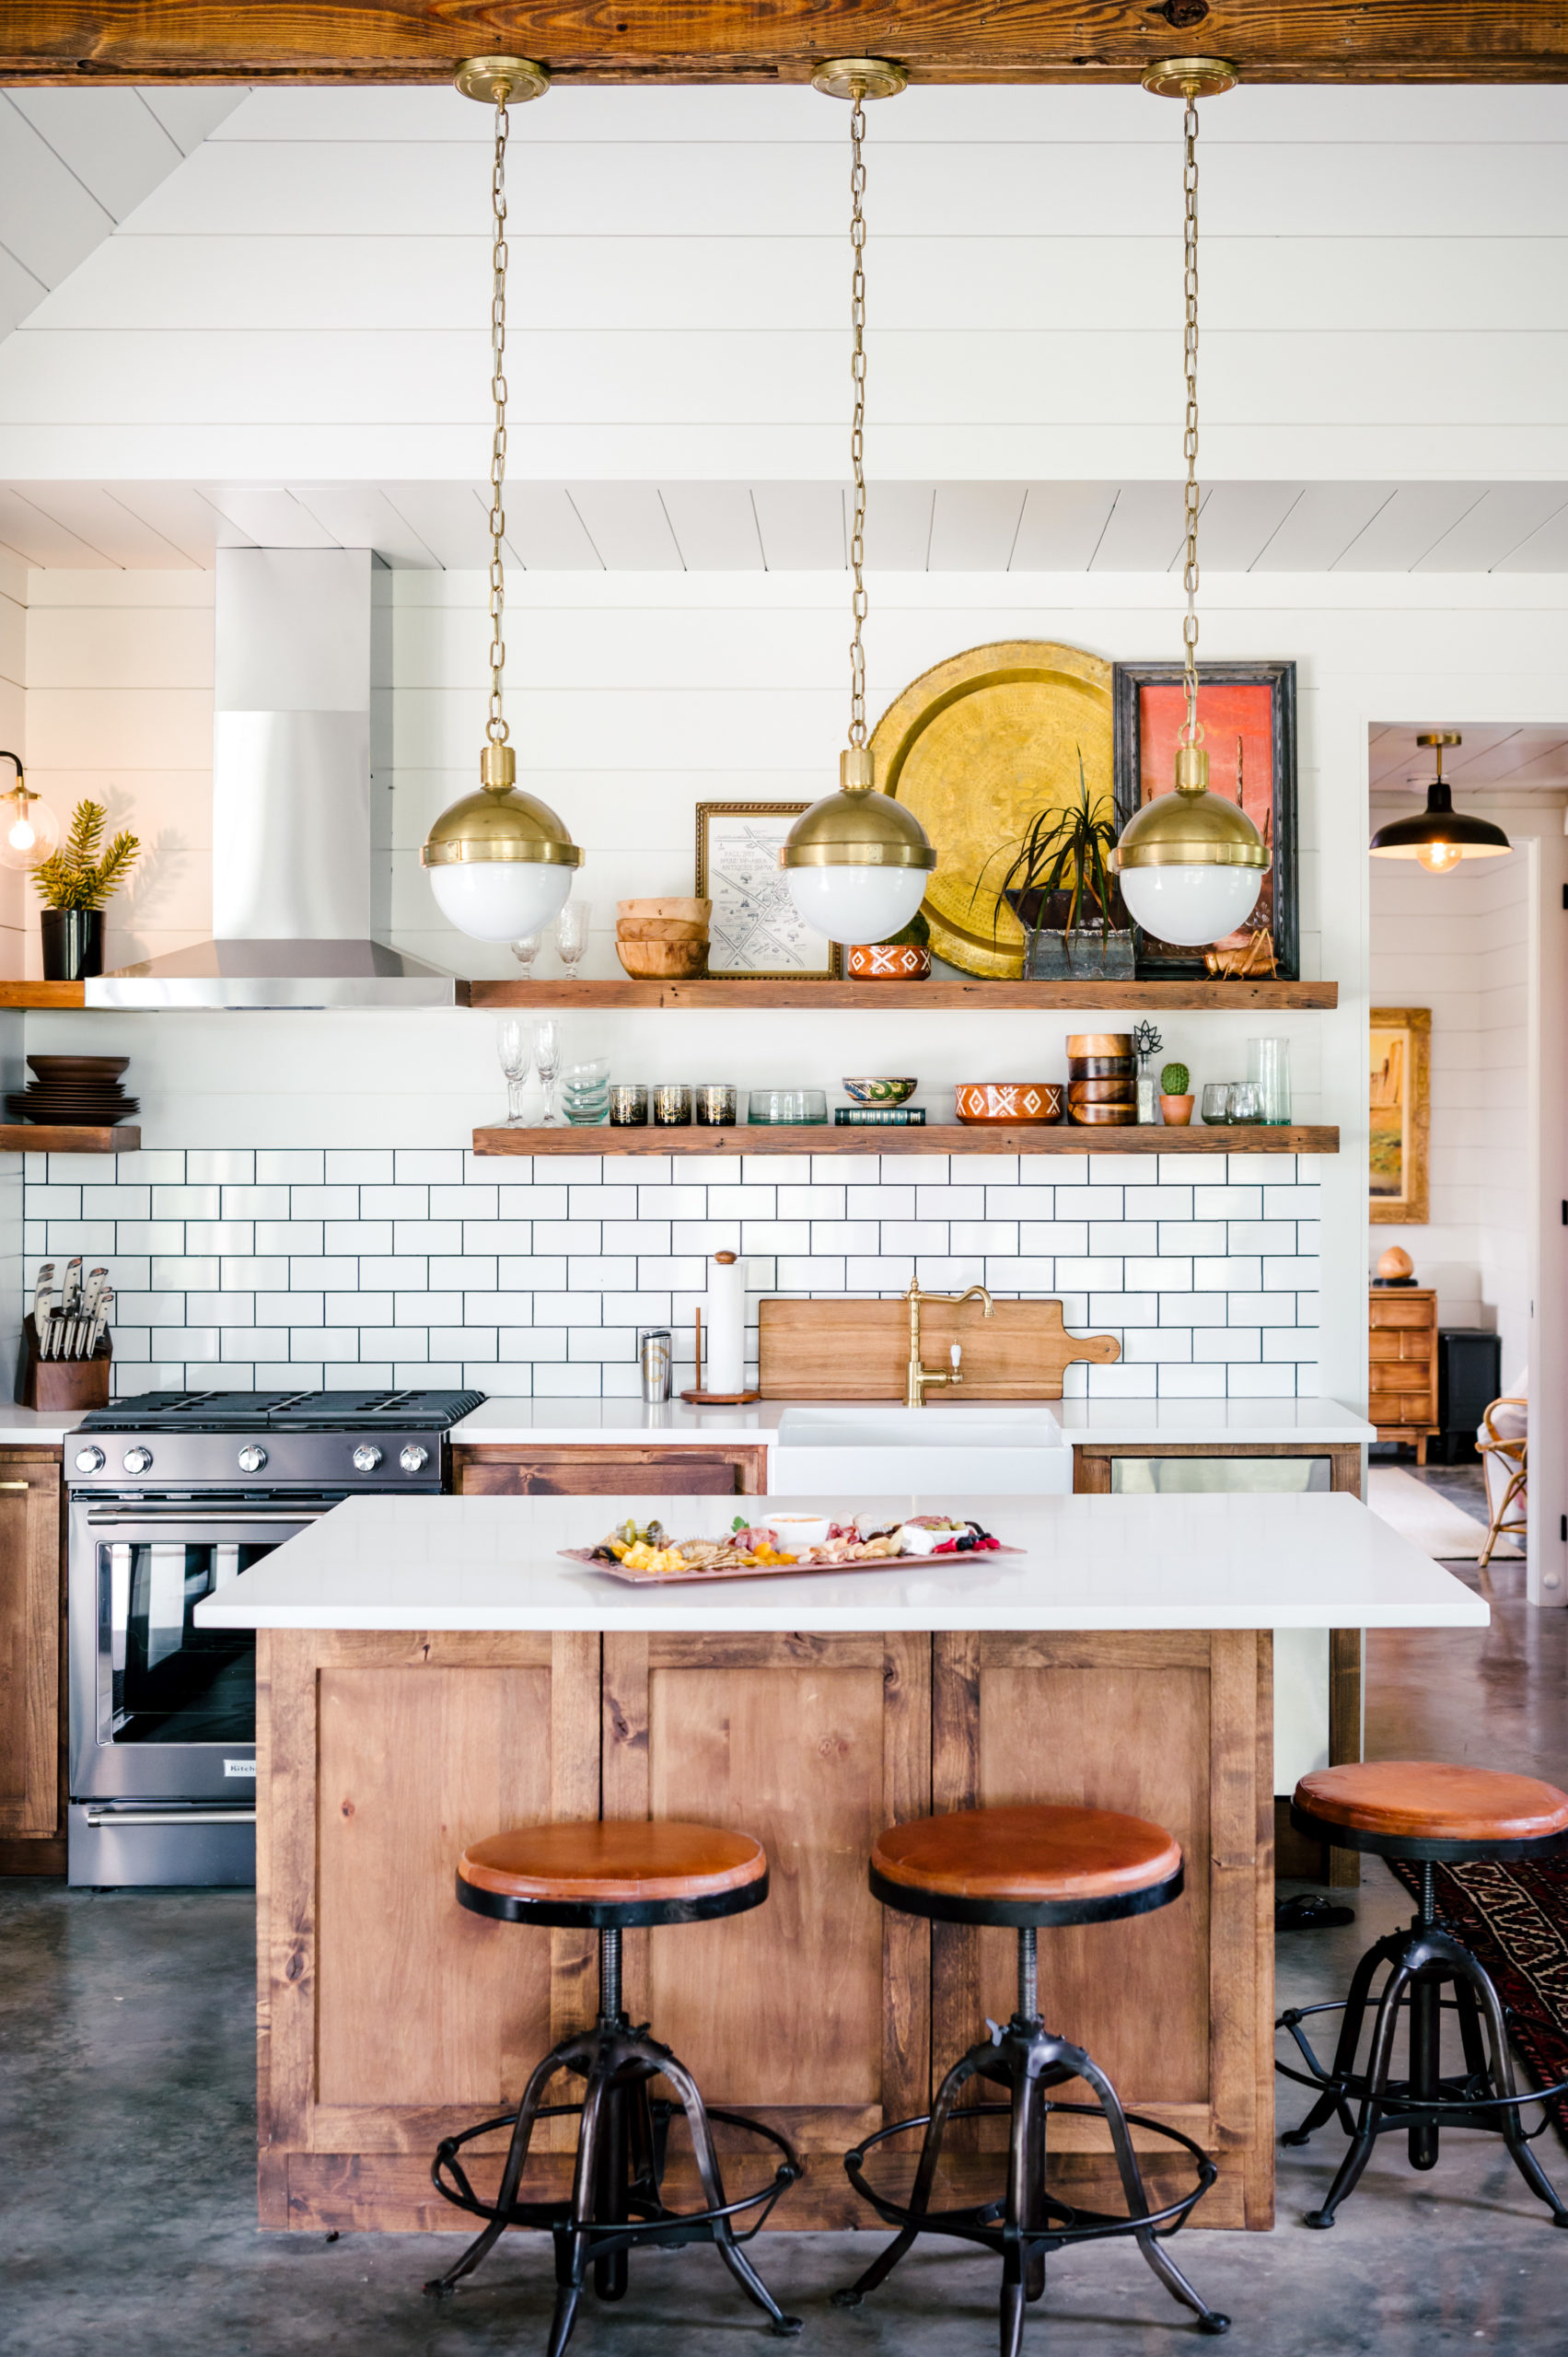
[(762, 1571)]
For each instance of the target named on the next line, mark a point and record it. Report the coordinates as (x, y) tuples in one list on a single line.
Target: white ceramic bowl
[(797, 1534)]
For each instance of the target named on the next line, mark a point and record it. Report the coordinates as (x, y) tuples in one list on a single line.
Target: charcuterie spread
[(782, 1543)]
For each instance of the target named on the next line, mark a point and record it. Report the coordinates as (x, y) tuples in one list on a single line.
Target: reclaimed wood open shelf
[(925, 998), (41, 995), (980, 1137), (50, 1137)]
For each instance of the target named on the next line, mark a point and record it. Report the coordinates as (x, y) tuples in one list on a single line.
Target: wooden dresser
[(1402, 1346)]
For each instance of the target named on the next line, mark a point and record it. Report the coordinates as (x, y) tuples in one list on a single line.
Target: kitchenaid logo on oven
[(239, 1768)]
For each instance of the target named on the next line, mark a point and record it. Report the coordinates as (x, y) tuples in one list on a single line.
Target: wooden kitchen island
[(429, 1671)]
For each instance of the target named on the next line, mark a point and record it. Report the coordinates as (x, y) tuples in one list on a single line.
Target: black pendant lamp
[(1441, 836)]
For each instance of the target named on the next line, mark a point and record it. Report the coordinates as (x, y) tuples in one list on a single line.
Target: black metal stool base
[(616, 2201), (1028, 2223), (1423, 1962)]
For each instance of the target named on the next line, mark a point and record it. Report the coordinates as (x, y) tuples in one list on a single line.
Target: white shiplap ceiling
[(1499, 757), (974, 526)]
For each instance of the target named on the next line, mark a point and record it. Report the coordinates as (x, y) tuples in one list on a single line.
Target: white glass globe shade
[(1190, 905), (857, 904), (500, 900)]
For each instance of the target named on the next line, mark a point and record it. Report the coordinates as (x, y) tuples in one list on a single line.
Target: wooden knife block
[(859, 1350), (55, 1384)]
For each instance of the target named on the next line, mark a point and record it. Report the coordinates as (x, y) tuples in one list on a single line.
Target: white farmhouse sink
[(1014, 1452)]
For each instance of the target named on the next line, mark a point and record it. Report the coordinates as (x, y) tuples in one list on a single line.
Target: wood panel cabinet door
[(389, 2016), (1177, 2007), (1402, 1351), (31, 1660), (812, 2011), (505, 1471)]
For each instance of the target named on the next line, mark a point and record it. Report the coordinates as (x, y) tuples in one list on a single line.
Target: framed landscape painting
[(755, 930), (1246, 712), (1400, 1109)]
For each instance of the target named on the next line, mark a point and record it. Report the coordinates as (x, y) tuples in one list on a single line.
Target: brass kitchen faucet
[(920, 1377)]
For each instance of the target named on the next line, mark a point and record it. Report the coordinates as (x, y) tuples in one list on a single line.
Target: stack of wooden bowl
[(1102, 1080), (663, 941)]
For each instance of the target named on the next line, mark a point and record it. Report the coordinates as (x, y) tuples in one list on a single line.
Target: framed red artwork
[(1246, 712)]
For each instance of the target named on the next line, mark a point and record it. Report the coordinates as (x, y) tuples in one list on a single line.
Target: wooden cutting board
[(859, 1349)]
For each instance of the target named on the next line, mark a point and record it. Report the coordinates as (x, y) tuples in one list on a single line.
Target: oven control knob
[(415, 1460), (253, 1458), (138, 1460), (89, 1461), (367, 1457)]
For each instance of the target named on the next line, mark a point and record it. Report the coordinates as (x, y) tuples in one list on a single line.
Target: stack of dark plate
[(75, 1092)]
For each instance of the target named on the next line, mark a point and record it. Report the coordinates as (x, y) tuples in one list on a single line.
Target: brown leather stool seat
[(1029, 1868), (1026, 1865), (1431, 1809), (612, 1879), (1427, 1813), (607, 1875)]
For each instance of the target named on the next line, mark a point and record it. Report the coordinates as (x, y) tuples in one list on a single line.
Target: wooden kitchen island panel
[(389, 2017)]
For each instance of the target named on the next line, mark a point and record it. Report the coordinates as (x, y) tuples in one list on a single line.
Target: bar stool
[(1428, 1813), (613, 1878), (1025, 1867)]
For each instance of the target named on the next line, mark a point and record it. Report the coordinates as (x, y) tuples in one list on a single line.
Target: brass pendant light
[(1439, 836), (500, 861), (29, 832), (1190, 864), (857, 862)]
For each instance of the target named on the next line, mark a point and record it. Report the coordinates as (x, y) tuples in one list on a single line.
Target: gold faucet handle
[(956, 1360)]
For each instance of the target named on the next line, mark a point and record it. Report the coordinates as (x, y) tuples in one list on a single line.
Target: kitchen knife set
[(73, 1327)]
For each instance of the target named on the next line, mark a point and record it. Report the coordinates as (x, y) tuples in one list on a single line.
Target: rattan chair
[(1510, 1451)]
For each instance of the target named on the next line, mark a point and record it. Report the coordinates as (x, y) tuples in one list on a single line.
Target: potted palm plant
[(74, 884), (1060, 888)]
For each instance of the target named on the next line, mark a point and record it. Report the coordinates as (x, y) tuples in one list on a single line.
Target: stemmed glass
[(514, 1046), (547, 1057), (572, 934), (524, 951)]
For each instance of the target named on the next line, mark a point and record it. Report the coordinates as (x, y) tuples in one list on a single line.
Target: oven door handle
[(193, 1517), (123, 1816)]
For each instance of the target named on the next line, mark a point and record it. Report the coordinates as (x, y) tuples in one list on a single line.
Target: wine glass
[(547, 1059), (524, 951), (514, 1046), (572, 934)]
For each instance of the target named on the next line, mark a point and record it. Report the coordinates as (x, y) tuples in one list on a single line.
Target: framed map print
[(1399, 1107), (755, 929)]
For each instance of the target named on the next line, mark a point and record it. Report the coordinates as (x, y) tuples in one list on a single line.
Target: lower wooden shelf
[(983, 1137), (39, 1137)]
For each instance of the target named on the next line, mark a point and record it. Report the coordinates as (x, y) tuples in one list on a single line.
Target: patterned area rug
[(1514, 1918)]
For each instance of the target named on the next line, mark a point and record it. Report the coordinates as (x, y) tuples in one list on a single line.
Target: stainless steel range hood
[(294, 864)]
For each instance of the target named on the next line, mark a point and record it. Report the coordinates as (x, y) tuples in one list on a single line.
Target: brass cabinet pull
[(15, 1485)]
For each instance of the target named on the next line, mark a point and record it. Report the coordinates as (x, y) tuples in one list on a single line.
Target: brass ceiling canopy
[(502, 81), (1191, 77), (872, 77)]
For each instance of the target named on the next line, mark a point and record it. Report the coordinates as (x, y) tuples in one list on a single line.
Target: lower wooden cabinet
[(391, 2017), (32, 1662), (505, 1471), (1401, 1344)]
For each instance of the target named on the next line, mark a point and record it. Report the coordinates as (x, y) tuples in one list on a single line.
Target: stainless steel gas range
[(172, 1494)]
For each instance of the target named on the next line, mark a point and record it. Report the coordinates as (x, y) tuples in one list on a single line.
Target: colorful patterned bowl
[(1010, 1100), (882, 961), (879, 1092)]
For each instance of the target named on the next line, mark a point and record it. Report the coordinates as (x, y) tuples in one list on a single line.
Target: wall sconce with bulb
[(29, 832)]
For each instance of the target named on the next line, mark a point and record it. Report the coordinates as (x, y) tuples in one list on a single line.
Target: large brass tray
[(975, 747)]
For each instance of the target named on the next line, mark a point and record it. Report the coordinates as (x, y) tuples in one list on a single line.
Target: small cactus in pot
[(1176, 1096)]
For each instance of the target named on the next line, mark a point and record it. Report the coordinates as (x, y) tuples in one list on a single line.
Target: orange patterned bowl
[(1010, 1100), (884, 961)]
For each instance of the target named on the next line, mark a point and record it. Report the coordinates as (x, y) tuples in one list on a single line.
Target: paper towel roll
[(725, 1322)]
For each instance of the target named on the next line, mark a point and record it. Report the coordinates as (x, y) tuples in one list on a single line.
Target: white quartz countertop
[(36, 1427), (1190, 1423), (1204, 1562)]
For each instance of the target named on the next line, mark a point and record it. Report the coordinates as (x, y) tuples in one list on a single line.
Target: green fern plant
[(80, 875)]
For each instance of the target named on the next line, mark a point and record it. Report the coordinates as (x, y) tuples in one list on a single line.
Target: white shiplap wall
[(303, 297)]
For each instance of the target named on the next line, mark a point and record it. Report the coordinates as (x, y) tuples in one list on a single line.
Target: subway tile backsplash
[(254, 1268)]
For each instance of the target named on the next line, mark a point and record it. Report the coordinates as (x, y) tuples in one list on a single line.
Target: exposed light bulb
[(22, 836), (1438, 858)]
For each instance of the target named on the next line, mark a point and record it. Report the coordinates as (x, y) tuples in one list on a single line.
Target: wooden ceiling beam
[(1084, 41)]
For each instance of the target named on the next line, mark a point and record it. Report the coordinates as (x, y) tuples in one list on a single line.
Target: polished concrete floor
[(126, 2130)]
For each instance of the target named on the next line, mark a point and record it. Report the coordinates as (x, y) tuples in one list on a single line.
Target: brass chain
[(857, 427), (496, 729), (1190, 443)]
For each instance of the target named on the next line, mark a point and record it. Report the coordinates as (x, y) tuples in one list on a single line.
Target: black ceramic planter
[(73, 944)]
